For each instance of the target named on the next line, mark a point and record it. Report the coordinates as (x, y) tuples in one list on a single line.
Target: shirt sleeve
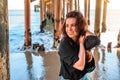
[(67, 53)]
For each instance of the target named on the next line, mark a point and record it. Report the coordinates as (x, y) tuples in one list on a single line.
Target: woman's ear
[(86, 27)]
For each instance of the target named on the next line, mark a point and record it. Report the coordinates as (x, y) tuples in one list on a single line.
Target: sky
[(19, 4)]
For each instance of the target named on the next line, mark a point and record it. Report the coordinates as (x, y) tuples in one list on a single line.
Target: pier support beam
[(4, 39), (27, 23), (75, 4), (42, 15), (71, 5), (97, 17), (86, 9), (104, 16), (57, 17), (78, 5), (88, 12), (118, 43)]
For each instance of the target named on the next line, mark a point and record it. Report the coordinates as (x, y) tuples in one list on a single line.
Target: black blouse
[(68, 52)]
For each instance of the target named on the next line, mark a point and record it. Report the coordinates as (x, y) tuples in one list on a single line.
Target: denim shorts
[(85, 77)]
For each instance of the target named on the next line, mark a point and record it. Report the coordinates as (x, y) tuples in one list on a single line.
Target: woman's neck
[(74, 39)]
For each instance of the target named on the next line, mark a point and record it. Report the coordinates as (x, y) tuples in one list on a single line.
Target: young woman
[(73, 56)]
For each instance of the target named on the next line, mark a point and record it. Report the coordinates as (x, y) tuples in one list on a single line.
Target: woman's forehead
[(71, 20)]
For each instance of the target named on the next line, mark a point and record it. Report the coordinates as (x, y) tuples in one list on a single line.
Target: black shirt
[(68, 52)]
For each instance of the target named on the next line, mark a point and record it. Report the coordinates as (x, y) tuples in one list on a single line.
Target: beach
[(33, 65)]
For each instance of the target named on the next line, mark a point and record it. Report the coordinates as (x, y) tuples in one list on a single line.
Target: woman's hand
[(81, 39)]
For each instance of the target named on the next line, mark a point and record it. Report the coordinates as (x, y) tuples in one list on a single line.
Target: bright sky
[(19, 4)]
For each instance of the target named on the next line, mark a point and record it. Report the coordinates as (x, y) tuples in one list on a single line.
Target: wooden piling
[(63, 8), (78, 5), (4, 41), (71, 5), (67, 6), (85, 9), (53, 6), (57, 17), (97, 17), (49, 6), (43, 14), (75, 4), (88, 12), (118, 39), (104, 16), (27, 23)]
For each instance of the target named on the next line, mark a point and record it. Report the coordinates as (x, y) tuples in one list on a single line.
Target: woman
[(73, 56)]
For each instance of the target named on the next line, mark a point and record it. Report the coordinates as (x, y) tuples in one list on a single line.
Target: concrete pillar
[(4, 41)]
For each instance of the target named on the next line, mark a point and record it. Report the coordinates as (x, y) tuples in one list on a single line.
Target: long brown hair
[(80, 23)]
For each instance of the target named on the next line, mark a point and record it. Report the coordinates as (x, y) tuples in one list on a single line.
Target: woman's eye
[(73, 25)]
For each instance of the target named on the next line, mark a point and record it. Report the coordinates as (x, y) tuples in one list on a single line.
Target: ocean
[(108, 63)]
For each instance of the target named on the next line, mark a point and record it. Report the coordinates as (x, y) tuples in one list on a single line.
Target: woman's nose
[(69, 28)]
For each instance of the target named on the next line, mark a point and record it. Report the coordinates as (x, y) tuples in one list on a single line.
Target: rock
[(39, 47)]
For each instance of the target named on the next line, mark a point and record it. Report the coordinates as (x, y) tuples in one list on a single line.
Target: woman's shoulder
[(64, 40), (64, 43)]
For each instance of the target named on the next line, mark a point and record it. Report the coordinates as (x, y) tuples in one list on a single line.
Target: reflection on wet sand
[(95, 73), (107, 65), (29, 62), (103, 55), (30, 66), (45, 65), (103, 63), (52, 65), (118, 55), (109, 47)]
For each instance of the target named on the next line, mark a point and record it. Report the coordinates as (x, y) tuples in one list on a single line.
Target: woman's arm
[(80, 64)]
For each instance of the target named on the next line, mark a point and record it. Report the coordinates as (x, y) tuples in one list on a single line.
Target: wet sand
[(107, 65), (52, 65), (46, 65)]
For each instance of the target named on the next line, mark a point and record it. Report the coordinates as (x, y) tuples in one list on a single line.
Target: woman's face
[(71, 28)]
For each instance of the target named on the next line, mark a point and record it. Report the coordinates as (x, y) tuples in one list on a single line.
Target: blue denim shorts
[(85, 77)]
